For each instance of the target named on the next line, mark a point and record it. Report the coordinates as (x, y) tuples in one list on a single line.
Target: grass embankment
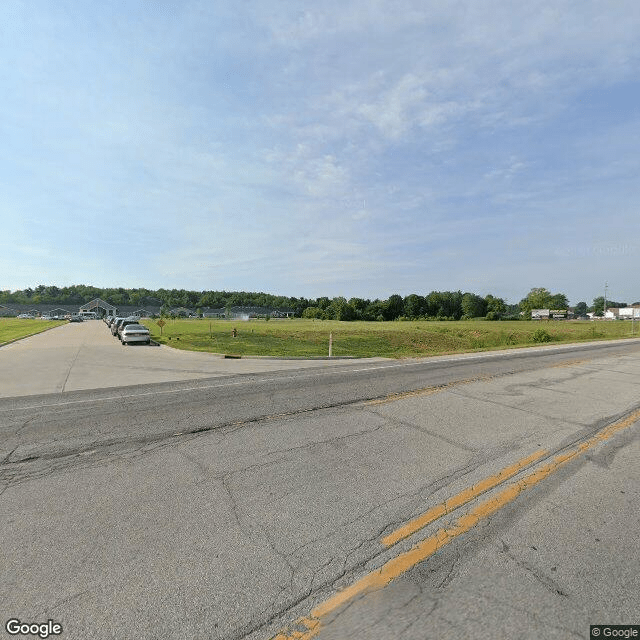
[(304, 338), (15, 328)]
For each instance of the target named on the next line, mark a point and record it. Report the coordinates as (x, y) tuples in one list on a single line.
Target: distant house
[(209, 312), (283, 313), (100, 307), (550, 314), (182, 312), (539, 314), (58, 312), (127, 310), (247, 312), (623, 313)]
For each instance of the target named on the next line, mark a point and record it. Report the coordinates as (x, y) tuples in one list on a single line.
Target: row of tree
[(449, 305), (440, 305)]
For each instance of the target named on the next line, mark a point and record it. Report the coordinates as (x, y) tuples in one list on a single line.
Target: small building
[(623, 313), (99, 307), (539, 314), (56, 312), (549, 314), (283, 313), (182, 312), (209, 312)]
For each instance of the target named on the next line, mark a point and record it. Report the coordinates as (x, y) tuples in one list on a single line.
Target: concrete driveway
[(85, 355)]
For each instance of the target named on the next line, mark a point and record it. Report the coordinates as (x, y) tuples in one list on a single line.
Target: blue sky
[(356, 148)]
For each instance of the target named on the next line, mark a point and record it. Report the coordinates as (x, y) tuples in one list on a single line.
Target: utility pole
[(605, 300)]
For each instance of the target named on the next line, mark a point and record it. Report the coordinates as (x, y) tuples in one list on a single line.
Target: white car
[(135, 333), (25, 316)]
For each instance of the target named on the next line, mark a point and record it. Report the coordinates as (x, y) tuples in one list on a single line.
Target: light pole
[(604, 313)]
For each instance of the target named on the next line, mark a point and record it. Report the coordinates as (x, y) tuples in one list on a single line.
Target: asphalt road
[(252, 505)]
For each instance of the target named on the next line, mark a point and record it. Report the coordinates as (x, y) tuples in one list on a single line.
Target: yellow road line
[(426, 391), (460, 499), (402, 563)]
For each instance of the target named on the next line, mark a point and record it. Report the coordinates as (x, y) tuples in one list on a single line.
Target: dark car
[(114, 325)]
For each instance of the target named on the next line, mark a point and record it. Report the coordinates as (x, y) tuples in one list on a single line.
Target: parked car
[(114, 325), (123, 324), (25, 316), (75, 319), (135, 333)]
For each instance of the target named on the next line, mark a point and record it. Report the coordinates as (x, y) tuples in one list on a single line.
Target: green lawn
[(304, 338), (14, 328)]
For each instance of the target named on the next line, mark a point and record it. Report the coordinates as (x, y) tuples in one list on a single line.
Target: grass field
[(14, 328), (304, 338)]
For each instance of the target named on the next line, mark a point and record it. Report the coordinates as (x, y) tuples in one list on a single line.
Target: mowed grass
[(15, 328), (309, 338)]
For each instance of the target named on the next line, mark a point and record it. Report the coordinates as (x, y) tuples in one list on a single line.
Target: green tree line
[(437, 305)]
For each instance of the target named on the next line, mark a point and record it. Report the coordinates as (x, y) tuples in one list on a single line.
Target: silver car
[(114, 325), (135, 333)]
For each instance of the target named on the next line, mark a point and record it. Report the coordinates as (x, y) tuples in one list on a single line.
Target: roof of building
[(97, 303)]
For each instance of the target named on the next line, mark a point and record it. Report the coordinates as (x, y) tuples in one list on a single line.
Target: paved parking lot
[(85, 355)]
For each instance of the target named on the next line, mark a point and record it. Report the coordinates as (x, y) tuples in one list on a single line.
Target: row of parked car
[(128, 330)]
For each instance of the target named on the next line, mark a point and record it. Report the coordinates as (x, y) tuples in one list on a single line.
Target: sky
[(357, 148)]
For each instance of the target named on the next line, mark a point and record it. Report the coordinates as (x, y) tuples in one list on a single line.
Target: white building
[(624, 313)]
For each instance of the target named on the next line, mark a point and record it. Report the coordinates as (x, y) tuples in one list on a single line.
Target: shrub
[(542, 335)]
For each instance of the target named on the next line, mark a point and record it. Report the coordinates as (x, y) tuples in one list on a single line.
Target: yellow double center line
[(308, 627)]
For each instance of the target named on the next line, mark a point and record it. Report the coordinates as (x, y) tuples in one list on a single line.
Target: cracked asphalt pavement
[(233, 506)]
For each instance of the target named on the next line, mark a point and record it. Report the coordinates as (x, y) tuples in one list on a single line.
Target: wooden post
[(330, 343)]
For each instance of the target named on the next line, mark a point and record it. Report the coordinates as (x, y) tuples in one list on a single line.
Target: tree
[(312, 312), (395, 307), (540, 298), (339, 309), (496, 307), (581, 309), (473, 306), (413, 305), (598, 306), (360, 307), (558, 301)]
